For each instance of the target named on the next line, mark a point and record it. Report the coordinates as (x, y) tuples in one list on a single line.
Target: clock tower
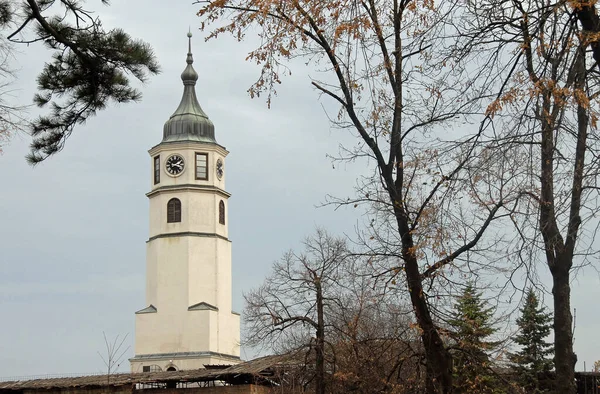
[(187, 322)]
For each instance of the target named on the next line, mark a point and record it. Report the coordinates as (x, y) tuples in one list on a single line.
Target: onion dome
[(189, 122)]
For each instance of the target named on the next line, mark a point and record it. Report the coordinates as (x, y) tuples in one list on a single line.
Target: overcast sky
[(73, 229)]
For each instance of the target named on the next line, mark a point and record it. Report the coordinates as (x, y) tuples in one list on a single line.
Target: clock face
[(175, 165), (219, 167)]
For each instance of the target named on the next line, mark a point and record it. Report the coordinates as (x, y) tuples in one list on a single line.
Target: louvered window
[(221, 212), (202, 166), (174, 211), (156, 170)]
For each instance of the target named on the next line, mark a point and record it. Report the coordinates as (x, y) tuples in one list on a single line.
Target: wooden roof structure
[(257, 371)]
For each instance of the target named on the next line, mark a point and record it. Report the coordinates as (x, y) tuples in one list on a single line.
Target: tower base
[(179, 361)]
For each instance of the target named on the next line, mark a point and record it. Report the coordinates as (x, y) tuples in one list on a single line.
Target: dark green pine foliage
[(532, 363), (471, 323), (90, 67)]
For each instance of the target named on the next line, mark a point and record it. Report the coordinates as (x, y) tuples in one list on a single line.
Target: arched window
[(221, 212), (172, 384), (174, 211)]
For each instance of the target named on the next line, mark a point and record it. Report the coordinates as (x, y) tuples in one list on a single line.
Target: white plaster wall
[(199, 212), (196, 332), (166, 276), (166, 332), (231, 339), (185, 270), (209, 258), (188, 151)]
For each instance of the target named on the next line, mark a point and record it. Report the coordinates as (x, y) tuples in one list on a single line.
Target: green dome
[(189, 122)]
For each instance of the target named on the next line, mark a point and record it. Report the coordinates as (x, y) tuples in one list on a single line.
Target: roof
[(189, 122), (242, 373)]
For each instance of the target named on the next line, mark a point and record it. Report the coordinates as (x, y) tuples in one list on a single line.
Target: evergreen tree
[(471, 328), (90, 66), (532, 362)]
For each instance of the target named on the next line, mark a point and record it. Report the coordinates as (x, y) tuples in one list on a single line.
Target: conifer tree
[(90, 66), (531, 362), (471, 323)]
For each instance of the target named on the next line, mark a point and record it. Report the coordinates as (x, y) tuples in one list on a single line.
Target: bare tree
[(546, 119), (289, 308), (382, 65), (114, 354), (327, 302), (375, 347)]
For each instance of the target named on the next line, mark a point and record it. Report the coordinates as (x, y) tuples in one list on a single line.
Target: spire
[(190, 58), (189, 75), (189, 122)]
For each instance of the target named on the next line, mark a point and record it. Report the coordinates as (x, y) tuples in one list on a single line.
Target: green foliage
[(531, 362), (472, 326), (5, 12), (89, 68)]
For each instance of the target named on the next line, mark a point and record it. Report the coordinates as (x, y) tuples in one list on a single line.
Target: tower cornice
[(190, 187), (191, 145), (188, 234)]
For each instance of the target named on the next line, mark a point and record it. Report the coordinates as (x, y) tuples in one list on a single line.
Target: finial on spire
[(190, 58), (189, 75)]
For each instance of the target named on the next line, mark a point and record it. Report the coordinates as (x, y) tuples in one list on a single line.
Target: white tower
[(188, 321)]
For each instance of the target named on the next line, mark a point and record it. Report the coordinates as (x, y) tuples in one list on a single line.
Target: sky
[(73, 229)]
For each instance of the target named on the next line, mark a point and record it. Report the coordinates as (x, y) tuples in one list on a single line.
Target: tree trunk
[(564, 357), (590, 22), (560, 253), (438, 359), (320, 347)]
